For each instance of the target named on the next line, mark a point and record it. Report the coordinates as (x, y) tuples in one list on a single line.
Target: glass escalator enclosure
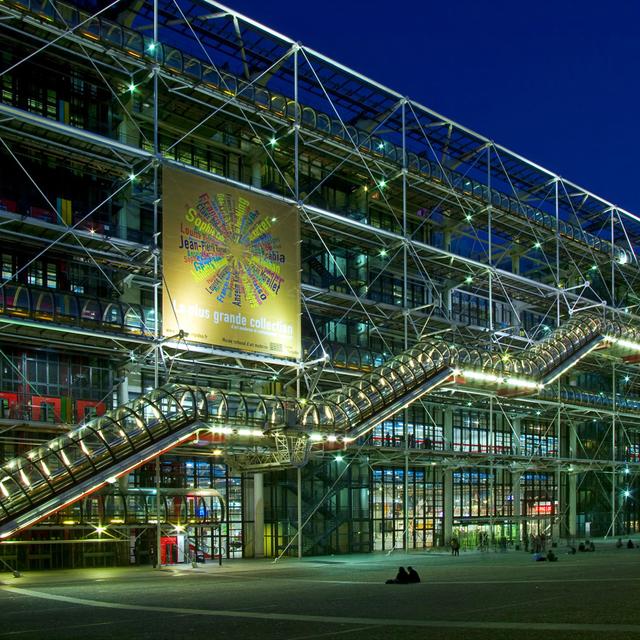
[(112, 317), (66, 307), (217, 406), (370, 390), (134, 319), (44, 305), (90, 312), (17, 300)]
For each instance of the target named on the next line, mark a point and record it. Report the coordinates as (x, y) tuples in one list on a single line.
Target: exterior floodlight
[(537, 245), (339, 458), (468, 217), (383, 253), (274, 141), (151, 47), (132, 87), (626, 493), (468, 279)]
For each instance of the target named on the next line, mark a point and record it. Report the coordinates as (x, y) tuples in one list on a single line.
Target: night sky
[(556, 82)]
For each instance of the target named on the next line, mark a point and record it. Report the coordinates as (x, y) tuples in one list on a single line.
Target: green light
[(468, 217), (538, 413), (132, 87), (274, 141), (132, 177), (627, 378), (382, 184), (626, 493), (339, 458), (594, 267), (383, 253), (468, 279), (380, 145), (274, 219), (537, 245), (151, 47)]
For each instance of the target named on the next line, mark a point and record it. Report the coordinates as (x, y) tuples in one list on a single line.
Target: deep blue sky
[(557, 82)]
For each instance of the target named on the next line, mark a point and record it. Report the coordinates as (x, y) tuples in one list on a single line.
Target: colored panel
[(231, 267)]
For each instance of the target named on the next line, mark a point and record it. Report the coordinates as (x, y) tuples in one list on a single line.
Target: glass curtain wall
[(424, 508)]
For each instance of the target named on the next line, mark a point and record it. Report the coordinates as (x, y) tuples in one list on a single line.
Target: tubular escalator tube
[(368, 388), (361, 400), (180, 404)]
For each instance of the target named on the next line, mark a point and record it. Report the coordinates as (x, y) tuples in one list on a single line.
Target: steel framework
[(414, 227)]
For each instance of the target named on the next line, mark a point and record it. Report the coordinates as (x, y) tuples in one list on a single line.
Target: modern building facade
[(468, 340)]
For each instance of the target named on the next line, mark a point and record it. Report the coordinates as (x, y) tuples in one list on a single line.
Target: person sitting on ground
[(581, 547), (402, 577), (413, 575), (539, 557), (551, 557), (630, 544), (590, 546), (572, 550)]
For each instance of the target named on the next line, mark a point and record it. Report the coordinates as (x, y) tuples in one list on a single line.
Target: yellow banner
[(231, 265)]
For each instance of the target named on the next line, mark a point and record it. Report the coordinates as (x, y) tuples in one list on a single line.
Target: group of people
[(630, 544), (541, 557), (535, 543), (405, 576)]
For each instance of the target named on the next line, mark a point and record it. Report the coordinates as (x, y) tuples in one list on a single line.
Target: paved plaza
[(477, 595)]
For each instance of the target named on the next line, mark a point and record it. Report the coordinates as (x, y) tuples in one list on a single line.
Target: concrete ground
[(475, 596)]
